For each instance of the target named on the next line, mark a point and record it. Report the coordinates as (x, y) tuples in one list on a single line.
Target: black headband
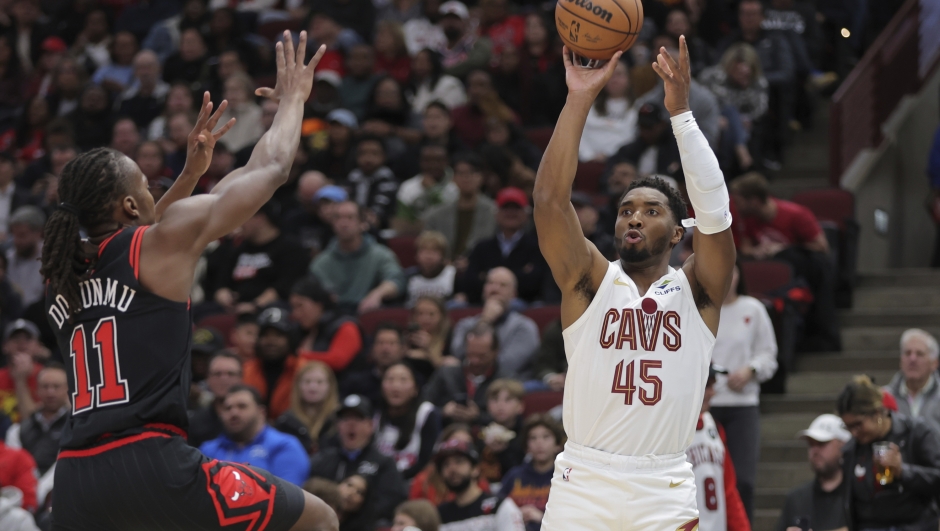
[(70, 208)]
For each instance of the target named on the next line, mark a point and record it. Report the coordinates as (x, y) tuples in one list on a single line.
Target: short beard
[(461, 487), (632, 255)]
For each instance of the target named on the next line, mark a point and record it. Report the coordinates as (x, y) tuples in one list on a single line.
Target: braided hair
[(89, 184)]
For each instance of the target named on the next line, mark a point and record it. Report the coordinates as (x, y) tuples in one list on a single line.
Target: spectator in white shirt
[(916, 386), (11, 197), (432, 276), (23, 256), (611, 123), (430, 83), (747, 348)]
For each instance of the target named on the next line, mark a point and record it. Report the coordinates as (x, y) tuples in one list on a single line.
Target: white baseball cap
[(329, 76), (453, 7), (826, 428)]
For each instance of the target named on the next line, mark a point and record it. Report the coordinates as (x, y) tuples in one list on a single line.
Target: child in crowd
[(528, 484), (502, 446), (432, 276)]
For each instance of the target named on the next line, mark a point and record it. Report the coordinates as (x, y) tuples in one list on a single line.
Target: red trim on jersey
[(175, 430), (88, 452), (135, 249), (735, 515), (105, 243)]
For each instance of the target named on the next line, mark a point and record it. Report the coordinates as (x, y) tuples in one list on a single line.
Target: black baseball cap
[(356, 404), (276, 318), (455, 447), (651, 114), (21, 325), (207, 341)]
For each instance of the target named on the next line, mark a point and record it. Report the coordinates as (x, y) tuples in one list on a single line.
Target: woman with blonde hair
[(314, 400), (891, 464)]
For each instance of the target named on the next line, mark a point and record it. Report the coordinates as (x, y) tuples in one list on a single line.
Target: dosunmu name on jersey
[(94, 292)]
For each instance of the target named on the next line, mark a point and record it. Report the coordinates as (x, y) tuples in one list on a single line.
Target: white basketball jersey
[(707, 455), (637, 366)]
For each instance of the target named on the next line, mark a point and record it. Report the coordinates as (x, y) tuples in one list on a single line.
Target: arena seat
[(763, 277), (405, 249), (369, 321), (542, 401), (588, 177), (835, 210), (543, 315), (223, 322), (457, 314)]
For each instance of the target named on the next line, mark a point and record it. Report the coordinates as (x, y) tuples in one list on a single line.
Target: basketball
[(596, 29)]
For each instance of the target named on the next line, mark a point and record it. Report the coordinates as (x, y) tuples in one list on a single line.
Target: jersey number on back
[(628, 388), (112, 389)]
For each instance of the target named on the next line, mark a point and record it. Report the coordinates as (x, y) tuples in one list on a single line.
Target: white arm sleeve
[(703, 178)]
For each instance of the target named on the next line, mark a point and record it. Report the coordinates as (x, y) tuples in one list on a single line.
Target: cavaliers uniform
[(637, 367), (124, 463), (719, 504)]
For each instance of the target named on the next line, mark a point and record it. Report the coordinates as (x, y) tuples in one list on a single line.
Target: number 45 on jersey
[(624, 382)]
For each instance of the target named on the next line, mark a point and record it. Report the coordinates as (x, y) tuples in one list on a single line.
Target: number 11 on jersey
[(113, 388), (624, 378)]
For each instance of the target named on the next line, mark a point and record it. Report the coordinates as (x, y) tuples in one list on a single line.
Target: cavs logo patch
[(240, 495)]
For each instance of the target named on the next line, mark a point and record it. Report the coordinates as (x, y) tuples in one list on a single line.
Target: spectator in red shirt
[(503, 29), (18, 394), (18, 469), (483, 102), (768, 227)]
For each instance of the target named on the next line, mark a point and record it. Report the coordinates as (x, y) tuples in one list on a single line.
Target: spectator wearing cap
[(40, 432), (21, 347), (372, 184), (430, 188), (769, 227), (326, 90), (472, 509), (12, 197), (589, 217), (483, 103), (916, 386), (655, 150), (338, 156), (248, 439), (461, 392), (512, 247), (360, 271), (144, 99), (40, 81), (462, 51), (611, 121), (359, 80), (518, 335), (23, 256), (272, 370), (471, 217), (326, 336), (263, 267), (357, 454), (205, 423), (821, 499)]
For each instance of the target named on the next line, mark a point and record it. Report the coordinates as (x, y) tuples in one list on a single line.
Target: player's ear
[(677, 235), (130, 207)]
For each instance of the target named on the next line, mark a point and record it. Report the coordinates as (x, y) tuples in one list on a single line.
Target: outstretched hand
[(293, 77), (202, 139), (589, 81), (677, 78)]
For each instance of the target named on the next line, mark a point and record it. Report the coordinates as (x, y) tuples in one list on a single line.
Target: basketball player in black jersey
[(118, 302)]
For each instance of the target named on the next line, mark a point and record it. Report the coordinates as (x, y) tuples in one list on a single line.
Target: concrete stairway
[(886, 303)]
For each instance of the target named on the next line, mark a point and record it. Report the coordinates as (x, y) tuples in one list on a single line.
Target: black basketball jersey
[(127, 350)]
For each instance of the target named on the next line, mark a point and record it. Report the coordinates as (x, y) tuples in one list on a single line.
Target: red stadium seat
[(371, 320), (829, 204), (540, 136), (273, 30), (223, 322), (588, 177), (457, 314), (542, 401), (404, 248), (543, 316), (766, 276)]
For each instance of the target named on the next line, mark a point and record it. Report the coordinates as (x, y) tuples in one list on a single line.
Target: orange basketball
[(596, 29)]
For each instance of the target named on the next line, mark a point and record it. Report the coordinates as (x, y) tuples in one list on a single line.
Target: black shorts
[(155, 481)]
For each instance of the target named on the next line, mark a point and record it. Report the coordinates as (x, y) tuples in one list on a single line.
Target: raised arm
[(576, 264), (190, 224), (709, 269)]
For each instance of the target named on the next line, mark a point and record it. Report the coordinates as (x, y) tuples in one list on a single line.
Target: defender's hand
[(293, 77), (201, 141), (677, 78), (589, 81)]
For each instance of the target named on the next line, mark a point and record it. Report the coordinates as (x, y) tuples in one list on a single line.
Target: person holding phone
[(892, 463)]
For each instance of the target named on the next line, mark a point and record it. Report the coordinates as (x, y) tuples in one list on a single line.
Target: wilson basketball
[(596, 29)]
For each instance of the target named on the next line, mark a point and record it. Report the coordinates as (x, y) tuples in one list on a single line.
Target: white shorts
[(599, 491)]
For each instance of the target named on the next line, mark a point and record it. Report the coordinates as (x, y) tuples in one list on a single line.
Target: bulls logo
[(573, 30), (240, 495)]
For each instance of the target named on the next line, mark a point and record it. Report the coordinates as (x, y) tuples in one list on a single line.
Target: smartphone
[(803, 523)]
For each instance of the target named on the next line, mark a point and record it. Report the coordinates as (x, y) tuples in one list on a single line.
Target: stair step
[(877, 337), (782, 475), (792, 451), (790, 403), (770, 498), (894, 297), (784, 426), (908, 317), (817, 383), (913, 278), (765, 519), (848, 361)]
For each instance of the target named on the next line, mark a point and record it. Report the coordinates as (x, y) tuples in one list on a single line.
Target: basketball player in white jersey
[(638, 334), (719, 503)]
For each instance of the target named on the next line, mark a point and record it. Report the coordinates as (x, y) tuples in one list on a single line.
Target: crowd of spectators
[(426, 126)]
